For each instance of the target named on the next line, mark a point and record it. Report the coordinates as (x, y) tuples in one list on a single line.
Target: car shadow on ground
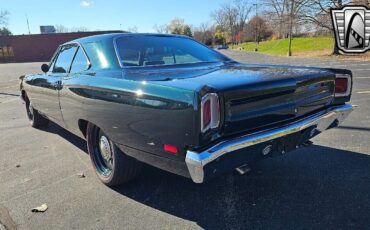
[(313, 187), (73, 139)]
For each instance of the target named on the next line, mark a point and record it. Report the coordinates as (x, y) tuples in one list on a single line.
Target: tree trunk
[(335, 48)]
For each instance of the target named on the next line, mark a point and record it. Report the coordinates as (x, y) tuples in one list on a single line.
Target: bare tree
[(132, 29), (284, 13), (277, 11), (78, 29), (178, 26), (204, 33), (231, 15), (64, 29), (220, 18), (226, 18), (161, 29), (4, 16), (318, 12), (231, 18), (61, 29), (243, 9), (250, 33)]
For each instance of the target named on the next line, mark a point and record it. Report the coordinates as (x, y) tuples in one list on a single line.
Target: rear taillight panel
[(210, 112), (206, 118), (343, 85)]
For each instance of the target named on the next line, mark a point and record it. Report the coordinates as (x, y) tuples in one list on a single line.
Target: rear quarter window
[(101, 54), (80, 62)]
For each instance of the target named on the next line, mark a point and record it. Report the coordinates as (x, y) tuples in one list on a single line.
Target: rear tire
[(111, 165), (34, 117)]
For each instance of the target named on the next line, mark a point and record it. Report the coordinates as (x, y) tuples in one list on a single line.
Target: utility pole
[(291, 28), (256, 22), (28, 25)]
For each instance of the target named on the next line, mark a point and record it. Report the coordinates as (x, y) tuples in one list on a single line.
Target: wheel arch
[(82, 125), (24, 95)]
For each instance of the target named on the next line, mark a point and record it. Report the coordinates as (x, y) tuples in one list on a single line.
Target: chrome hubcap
[(105, 150)]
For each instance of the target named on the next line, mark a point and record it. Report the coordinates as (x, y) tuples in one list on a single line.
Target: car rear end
[(242, 124)]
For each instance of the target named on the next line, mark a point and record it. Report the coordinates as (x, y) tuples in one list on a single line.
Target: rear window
[(161, 50)]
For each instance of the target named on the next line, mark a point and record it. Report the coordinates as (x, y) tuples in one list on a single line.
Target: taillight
[(206, 114), (342, 85), (210, 112)]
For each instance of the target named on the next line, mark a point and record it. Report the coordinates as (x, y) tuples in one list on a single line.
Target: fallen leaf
[(41, 208), (81, 175)]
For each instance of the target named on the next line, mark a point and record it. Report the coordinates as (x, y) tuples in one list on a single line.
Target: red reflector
[(341, 85), (170, 148), (206, 113)]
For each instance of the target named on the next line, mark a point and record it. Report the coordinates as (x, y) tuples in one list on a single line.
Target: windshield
[(161, 50)]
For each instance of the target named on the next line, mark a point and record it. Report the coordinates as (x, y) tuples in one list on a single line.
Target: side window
[(184, 57), (64, 59), (53, 59), (80, 62)]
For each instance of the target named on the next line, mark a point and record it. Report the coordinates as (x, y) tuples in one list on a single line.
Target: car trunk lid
[(276, 98), (253, 96)]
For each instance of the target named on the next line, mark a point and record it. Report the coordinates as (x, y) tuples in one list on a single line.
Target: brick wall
[(37, 47)]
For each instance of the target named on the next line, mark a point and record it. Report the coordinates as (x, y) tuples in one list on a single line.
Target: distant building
[(37, 47), (47, 29)]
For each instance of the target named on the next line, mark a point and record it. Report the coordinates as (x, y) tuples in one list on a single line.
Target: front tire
[(112, 166), (34, 117)]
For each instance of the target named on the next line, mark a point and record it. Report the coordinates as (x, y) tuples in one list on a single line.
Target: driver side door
[(51, 83)]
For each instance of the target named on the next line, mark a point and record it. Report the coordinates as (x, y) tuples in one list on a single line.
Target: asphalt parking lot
[(324, 186)]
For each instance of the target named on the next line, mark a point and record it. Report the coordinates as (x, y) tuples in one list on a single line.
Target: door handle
[(58, 85)]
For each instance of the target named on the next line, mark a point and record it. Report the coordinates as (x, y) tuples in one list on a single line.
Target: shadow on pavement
[(313, 187), (73, 139), (9, 94), (316, 187)]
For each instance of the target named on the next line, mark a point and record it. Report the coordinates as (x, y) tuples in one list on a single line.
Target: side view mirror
[(45, 68)]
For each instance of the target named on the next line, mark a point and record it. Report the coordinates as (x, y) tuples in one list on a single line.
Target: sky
[(105, 14)]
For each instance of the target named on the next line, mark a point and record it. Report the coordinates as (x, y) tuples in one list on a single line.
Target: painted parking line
[(368, 64), (364, 92), (362, 77)]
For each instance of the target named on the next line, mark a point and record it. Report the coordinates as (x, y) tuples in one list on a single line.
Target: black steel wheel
[(112, 166)]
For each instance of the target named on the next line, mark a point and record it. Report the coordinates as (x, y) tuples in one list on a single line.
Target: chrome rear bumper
[(197, 161)]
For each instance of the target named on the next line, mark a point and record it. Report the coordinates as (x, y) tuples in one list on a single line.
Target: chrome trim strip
[(196, 161)]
